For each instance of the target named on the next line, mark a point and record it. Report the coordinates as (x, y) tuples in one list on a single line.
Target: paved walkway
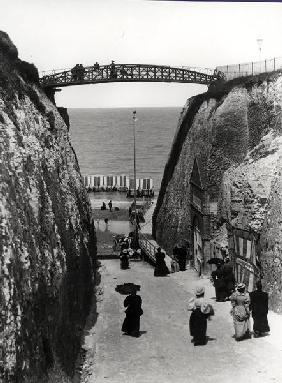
[(164, 353)]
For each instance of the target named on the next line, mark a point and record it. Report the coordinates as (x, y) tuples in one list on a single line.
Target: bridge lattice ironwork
[(125, 73)]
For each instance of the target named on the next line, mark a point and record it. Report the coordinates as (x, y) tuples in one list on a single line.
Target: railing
[(251, 68), (147, 247), (125, 73)]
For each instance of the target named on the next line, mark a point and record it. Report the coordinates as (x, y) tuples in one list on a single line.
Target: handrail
[(147, 247), (95, 74), (251, 68)]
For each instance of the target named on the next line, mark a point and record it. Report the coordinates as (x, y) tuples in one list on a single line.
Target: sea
[(103, 140)]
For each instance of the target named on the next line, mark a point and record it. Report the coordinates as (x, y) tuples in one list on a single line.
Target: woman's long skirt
[(242, 328), (198, 327), (131, 324), (260, 323)]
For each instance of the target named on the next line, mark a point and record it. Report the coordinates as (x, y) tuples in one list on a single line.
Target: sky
[(57, 34)]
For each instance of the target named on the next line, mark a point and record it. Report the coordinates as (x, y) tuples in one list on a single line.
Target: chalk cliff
[(47, 237), (225, 168)]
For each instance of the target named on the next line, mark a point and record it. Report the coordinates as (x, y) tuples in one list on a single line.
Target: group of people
[(244, 305), (104, 207), (127, 252), (78, 72), (177, 263)]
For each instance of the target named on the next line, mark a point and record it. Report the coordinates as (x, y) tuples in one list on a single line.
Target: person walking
[(124, 259), (219, 283), (161, 269), (259, 308), (201, 312), (228, 277), (131, 323), (110, 204), (240, 301)]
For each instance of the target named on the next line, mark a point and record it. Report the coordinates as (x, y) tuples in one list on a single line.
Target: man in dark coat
[(259, 307), (219, 283)]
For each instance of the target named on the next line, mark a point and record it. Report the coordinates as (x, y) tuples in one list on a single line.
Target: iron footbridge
[(96, 74)]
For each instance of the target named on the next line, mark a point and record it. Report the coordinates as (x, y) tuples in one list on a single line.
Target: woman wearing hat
[(240, 302), (131, 323), (201, 312)]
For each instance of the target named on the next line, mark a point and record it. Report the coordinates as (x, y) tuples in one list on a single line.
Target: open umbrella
[(127, 288)]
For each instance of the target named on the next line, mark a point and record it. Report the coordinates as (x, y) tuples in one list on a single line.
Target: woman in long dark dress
[(201, 311), (160, 267), (259, 308), (131, 323), (124, 259)]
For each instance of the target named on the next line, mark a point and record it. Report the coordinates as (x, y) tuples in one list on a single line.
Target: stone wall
[(47, 237), (234, 133)]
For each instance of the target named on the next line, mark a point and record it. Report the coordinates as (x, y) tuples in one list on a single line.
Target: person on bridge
[(259, 308), (161, 269), (240, 301), (131, 323), (202, 310)]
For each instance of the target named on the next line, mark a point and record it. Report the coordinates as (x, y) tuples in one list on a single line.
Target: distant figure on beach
[(103, 207), (259, 308), (110, 204), (161, 269), (131, 323), (201, 312)]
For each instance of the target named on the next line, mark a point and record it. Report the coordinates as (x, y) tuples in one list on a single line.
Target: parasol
[(127, 288), (216, 261)]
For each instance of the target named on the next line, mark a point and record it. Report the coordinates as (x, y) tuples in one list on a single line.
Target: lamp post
[(134, 118), (259, 42)]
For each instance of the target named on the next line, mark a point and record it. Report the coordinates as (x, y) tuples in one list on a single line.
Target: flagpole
[(134, 165)]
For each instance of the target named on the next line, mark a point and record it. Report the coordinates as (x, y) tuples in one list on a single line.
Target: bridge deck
[(95, 74)]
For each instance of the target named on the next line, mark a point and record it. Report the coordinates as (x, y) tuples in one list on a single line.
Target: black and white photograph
[(140, 191)]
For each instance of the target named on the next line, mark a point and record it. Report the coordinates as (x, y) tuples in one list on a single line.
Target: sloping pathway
[(164, 352)]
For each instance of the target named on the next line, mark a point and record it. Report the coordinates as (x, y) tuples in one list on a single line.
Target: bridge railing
[(148, 247), (126, 72), (251, 68)]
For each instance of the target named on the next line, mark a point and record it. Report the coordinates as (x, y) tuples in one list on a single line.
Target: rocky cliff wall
[(233, 134), (47, 237)]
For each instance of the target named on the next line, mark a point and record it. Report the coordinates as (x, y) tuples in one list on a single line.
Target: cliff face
[(47, 240), (227, 156)]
